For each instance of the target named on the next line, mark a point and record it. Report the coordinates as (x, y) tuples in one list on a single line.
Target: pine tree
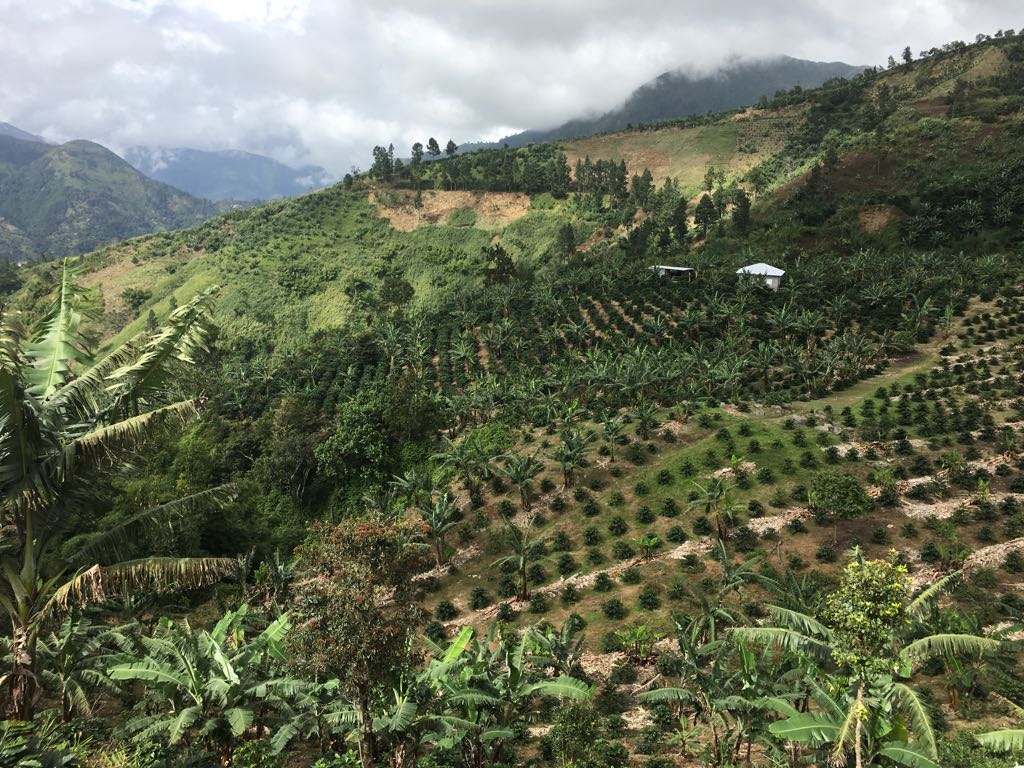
[(706, 214), (433, 149), (451, 148)]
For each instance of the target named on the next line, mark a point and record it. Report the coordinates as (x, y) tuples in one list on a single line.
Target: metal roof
[(765, 270)]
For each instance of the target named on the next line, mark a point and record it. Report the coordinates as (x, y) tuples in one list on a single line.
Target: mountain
[(674, 95), (67, 199), (226, 175), (13, 132)]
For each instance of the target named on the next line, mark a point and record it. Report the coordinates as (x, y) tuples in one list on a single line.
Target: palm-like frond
[(1007, 740), (782, 638), (799, 622), (914, 711), (57, 342), (186, 333), (923, 601), (157, 574), (908, 755), (955, 644), (115, 538)]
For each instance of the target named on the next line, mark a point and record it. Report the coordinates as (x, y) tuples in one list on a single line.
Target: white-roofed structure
[(689, 274), (772, 276)]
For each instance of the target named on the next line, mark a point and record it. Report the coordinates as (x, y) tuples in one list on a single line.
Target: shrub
[(435, 631), (479, 598), (664, 477), (677, 535), (446, 610), (641, 488), (702, 526), (536, 574), (669, 508), (618, 526), (621, 550), (631, 576), (561, 542), (539, 603), (603, 583), (566, 565), (506, 612), (614, 609), (650, 598), (570, 594), (645, 515)]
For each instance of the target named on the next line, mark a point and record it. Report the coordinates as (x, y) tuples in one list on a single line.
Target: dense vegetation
[(488, 491)]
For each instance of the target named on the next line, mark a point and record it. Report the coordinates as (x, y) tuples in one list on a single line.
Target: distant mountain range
[(674, 95), (226, 175), (59, 200)]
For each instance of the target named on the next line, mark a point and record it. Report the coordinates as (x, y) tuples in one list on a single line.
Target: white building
[(772, 276), (687, 274)]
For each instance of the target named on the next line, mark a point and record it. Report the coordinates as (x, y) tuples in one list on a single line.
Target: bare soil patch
[(493, 209)]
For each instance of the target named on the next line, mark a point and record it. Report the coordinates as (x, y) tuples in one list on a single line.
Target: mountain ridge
[(229, 174), (60, 200), (674, 94)]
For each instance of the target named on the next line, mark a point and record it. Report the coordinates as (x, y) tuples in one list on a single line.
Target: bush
[(479, 598), (664, 477), (618, 526), (506, 612), (446, 610), (603, 582), (631, 576), (839, 495), (645, 515), (570, 594), (621, 550), (669, 508), (539, 603), (702, 526), (677, 535), (566, 565), (650, 598), (614, 609)]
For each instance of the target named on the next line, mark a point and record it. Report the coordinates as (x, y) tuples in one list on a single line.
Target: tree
[(705, 215), (838, 495), (908, 55), (741, 213), (566, 240), (355, 609), (72, 662), (67, 421), (891, 63), (872, 632), (212, 687), (521, 471), (441, 517), (433, 149), (451, 148), (524, 552), (571, 454), (500, 267)]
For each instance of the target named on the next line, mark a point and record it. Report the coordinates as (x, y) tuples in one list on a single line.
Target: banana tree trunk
[(367, 738), (22, 681)]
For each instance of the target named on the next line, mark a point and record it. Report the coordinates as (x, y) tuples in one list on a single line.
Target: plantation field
[(685, 154)]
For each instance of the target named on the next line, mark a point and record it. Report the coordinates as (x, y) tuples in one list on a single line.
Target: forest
[(312, 486)]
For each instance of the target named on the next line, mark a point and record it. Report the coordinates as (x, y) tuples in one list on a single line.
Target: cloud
[(322, 81)]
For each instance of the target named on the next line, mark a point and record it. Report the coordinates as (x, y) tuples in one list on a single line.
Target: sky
[(322, 81)]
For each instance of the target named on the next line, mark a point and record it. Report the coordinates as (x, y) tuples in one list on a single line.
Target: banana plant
[(210, 687), (66, 420)]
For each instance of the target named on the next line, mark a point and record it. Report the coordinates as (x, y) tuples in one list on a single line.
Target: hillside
[(68, 199), (675, 95), (578, 513), (226, 174)]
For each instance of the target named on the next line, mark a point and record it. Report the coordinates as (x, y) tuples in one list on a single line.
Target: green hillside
[(494, 493), (73, 198)]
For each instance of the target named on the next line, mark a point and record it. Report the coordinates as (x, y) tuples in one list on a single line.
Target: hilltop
[(75, 197)]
